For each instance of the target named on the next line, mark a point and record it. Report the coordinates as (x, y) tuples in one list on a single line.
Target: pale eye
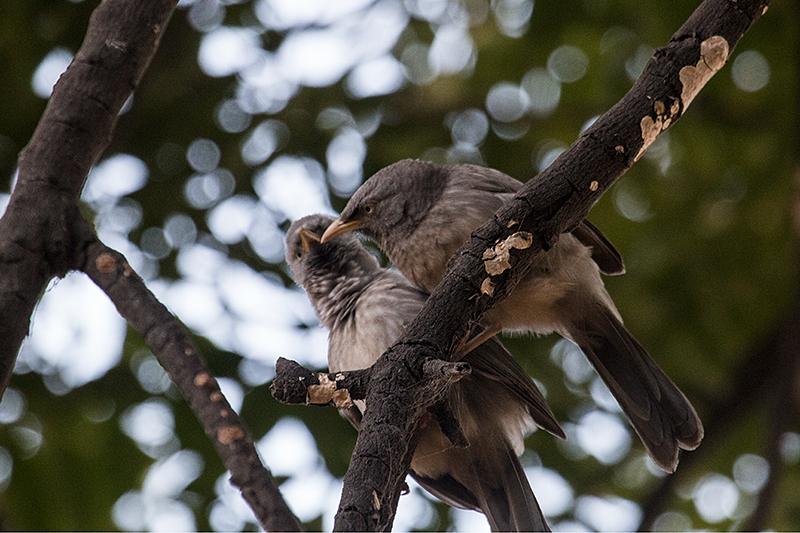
[(368, 209), (299, 255)]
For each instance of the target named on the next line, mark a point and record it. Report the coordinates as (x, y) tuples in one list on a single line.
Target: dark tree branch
[(175, 351), (39, 234), (295, 384), (556, 201), (43, 234)]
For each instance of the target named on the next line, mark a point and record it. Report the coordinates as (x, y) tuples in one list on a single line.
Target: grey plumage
[(420, 213), (366, 308)]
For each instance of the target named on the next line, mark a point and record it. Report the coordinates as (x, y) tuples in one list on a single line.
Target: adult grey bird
[(366, 308), (420, 213)]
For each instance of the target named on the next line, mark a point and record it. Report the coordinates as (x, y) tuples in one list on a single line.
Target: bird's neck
[(335, 294), (412, 256)]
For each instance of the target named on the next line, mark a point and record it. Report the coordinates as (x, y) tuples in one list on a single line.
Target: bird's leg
[(467, 346)]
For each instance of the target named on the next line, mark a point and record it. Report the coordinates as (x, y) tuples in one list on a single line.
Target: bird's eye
[(299, 255), (368, 209)]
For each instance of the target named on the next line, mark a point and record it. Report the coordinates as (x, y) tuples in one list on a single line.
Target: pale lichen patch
[(650, 130), (230, 434), (496, 259), (652, 127), (713, 55), (342, 400), (106, 263), (487, 287), (327, 392), (377, 500), (202, 379)]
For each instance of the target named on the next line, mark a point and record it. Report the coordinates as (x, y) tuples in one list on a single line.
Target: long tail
[(497, 487), (511, 506), (659, 412)]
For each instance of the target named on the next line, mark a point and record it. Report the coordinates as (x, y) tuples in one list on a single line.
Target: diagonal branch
[(174, 349), (557, 200)]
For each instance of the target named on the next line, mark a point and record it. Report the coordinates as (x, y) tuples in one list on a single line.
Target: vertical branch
[(43, 234), (39, 233)]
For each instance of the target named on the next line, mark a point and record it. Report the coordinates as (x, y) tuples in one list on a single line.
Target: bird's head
[(392, 202), (311, 260)]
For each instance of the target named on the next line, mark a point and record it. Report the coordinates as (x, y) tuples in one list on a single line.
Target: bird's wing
[(483, 179), (504, 187), (447, 489), (607, 257), (492, 361)]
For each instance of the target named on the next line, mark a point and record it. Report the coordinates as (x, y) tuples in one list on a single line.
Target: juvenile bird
[(420, 213), (366, 308)]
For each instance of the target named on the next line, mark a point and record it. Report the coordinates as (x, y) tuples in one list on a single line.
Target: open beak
[(338, 228), (309, 239)]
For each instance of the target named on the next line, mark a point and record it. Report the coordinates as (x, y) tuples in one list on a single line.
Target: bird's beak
[(338, 228), (309, 239)]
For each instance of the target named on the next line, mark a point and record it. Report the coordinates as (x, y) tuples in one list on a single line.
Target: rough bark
[(43, 234), (295, 384), (39, 233), (175, 351)]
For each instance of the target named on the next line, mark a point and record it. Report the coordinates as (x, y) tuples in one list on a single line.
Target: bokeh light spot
[(507, 102), (469, 127), (603, 436), (609, 513), (750, 71), (567, 63), (715, 498), (49, 70), (544, 91), (203, 155)]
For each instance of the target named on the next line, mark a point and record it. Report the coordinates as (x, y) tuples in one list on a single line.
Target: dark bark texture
[(295, 384), (40, 234), (171, 344), (43, 233)]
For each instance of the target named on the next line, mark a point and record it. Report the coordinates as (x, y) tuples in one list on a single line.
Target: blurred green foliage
[(710, 252)]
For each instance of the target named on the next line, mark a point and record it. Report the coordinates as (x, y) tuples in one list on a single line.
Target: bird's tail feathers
[(662, 416), (508, 502)]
